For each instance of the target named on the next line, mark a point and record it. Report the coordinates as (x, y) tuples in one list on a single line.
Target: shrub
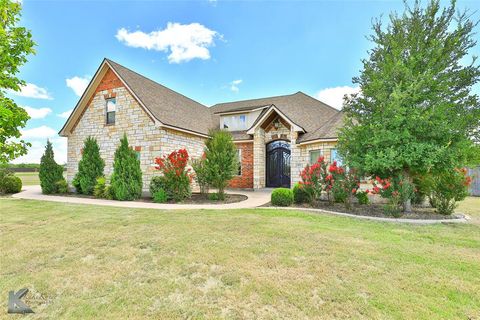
[(160, 196), (176, 178), (157, 183), (446, 188), (201, 174), (396, 190), (99, 191), (126, 181), (282, 197), (50, 172), (299, 194), (220, 160), (62, 186), (314, 180), (90, 167), (9, 183), (362, 197), (343, 184), (213, 197)]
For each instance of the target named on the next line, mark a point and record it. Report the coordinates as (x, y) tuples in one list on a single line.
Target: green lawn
[(28, 178), (89, 262)]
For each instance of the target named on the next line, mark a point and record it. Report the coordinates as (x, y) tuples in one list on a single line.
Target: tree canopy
[(15, 45), (416, 111)]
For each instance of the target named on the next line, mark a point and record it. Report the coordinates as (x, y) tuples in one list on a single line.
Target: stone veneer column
[(295, 159), (259, 158)]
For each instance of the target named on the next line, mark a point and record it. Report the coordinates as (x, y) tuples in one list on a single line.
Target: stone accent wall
[(303, 156), (144, 135), (259, 158), (245, 181)]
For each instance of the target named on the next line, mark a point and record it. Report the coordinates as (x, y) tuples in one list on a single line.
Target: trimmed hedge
[(282, 197), (299, 194), (10, 184)]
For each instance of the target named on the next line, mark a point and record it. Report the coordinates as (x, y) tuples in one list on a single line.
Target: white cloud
[(334, 96), (78, 84), (41, 132), (31, 90), (184, 41), (65, 114), (234, 85), (37, 149), (37, 113)]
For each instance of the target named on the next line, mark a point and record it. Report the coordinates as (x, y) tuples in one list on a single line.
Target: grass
[(89, 262), (28, 178)]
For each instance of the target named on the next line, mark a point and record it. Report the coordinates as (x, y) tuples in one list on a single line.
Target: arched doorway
[(278, 164)]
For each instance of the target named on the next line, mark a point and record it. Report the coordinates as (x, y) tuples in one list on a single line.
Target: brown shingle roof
[(318, 119), (167, 106), (307, 112)]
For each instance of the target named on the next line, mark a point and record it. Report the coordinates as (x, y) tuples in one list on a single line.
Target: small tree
[(416, 112), (220, 160), (201, 174), (15, 45), (50, 172), (126, 181), (90, 167)]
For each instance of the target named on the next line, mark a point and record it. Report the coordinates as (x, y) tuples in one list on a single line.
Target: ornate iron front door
[(278, 164)]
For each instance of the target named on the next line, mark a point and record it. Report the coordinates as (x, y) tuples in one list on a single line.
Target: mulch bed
[(196, 198), (374, 210)]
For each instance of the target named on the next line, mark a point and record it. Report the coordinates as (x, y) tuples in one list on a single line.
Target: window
[(334, 156), (239, 158), (236, 122), (137, 154), (111, 107), (314, 155)]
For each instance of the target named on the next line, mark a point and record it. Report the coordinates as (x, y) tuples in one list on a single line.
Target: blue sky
[(210, 51)]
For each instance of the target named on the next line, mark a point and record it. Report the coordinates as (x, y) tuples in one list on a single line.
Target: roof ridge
[(157, 83), (262, 98)]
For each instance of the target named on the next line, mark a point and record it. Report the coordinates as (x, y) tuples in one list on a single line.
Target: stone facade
[(151, 140), (144, 134)]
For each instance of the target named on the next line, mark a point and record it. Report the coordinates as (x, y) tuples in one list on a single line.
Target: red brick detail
[(137, 148), (246, 179), (81, 151), (109, 81)]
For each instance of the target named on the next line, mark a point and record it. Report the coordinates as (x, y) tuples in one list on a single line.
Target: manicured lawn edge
[(457, 218)]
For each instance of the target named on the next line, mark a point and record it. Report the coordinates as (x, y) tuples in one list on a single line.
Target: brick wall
[(246, 179)]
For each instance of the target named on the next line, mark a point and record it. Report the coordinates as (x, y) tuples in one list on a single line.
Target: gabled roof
[(303, 110), (168, 107), (174, 110)]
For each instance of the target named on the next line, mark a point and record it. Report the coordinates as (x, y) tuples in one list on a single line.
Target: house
[(276, 136)]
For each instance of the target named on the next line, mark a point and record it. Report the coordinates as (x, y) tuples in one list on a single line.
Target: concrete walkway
[(255, 199)]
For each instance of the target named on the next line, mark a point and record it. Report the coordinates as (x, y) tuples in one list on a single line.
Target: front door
[(278, 164)]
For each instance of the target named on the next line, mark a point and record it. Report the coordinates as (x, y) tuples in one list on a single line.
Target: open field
[(88, 262)]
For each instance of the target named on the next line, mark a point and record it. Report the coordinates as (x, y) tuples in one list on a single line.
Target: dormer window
[(234, 122), (111, 108)]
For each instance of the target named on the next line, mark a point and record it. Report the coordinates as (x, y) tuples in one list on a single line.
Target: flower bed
[(374, 210), (195, 198)]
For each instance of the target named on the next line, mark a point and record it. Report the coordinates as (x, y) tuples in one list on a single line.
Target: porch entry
[(278, 164)]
